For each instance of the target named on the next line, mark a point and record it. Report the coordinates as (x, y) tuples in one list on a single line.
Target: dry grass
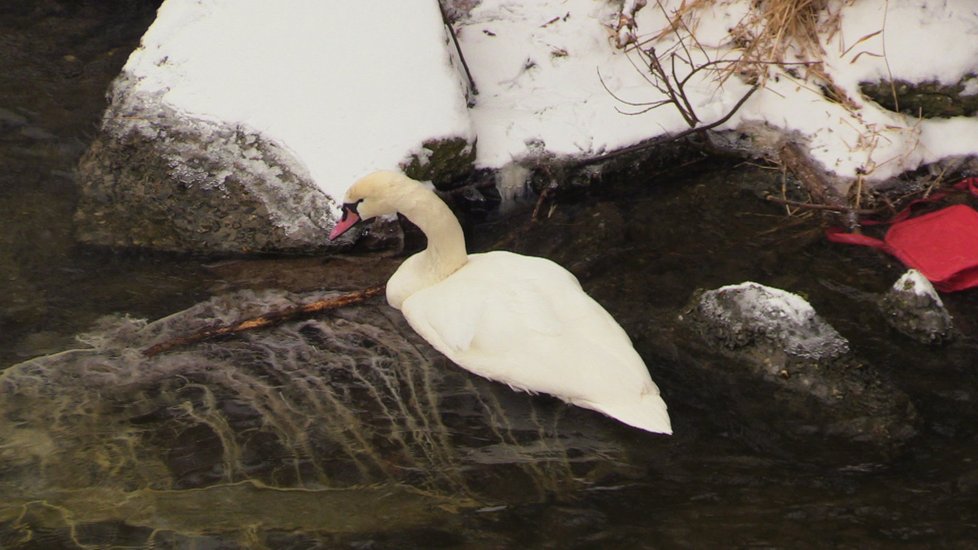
[(789, 33), (778, 27)]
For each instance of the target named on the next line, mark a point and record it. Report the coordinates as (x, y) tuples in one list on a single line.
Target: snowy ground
[(354, 86), (537, 67)]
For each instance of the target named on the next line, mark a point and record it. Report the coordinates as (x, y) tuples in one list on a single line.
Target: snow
[(537, 66), (354, 86), (764, 302), (560, 101), (914, 281), (970, 87), (920, 41)]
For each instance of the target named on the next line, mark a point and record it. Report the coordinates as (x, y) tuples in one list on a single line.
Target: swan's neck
[(445, 253), (446, 246)]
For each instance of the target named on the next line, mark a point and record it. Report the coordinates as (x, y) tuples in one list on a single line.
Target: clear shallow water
[(346, 430)]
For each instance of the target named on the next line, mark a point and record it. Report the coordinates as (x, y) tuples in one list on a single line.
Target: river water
[(346, 430)]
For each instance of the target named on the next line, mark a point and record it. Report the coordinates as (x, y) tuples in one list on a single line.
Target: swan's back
[(525, 321)]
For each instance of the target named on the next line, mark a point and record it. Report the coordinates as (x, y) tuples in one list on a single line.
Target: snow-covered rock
[(279, 106), (914, 308), (551, 77), (788, 369), (237, 124), (753, 314)]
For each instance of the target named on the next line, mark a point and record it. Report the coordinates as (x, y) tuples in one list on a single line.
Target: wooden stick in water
[(268, 319)]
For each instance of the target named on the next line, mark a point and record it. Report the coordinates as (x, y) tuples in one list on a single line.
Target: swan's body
[(520, 320)]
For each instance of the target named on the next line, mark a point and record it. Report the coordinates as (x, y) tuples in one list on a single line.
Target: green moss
[(442, 162), (929, 99)]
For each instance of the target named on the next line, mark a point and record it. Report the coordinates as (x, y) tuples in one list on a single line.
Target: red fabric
[(942, 245)]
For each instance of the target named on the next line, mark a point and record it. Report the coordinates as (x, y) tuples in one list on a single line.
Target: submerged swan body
[(520, 320)]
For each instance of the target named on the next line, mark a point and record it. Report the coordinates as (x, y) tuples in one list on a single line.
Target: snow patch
[(762, 301), (914, 281), (550, 73), (970, 87)]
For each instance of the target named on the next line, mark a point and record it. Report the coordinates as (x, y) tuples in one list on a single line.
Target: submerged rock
[(801, 379), (913, 307), (350, 412)]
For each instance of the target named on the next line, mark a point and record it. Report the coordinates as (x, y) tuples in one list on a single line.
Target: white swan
[(521, 320)]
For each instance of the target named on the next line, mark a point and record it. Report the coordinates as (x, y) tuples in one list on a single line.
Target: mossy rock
[(444, 162), (929, 99)]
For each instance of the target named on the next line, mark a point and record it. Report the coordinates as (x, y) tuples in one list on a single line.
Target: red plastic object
[(942, 245)]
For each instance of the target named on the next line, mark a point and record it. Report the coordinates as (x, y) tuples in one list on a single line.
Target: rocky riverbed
[(345, 429)]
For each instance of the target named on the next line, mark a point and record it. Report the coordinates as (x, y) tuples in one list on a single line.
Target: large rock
[(155, 178), (750, 314), (237, 125), (795, 374), (349, 417)]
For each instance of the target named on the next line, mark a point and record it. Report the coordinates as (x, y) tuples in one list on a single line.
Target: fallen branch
[(268, 319), (473, 90), (819, 186)]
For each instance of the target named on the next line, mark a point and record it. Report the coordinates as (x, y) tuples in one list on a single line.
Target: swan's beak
[(349, 219)]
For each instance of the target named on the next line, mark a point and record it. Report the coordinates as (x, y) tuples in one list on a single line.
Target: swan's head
[(376, 194)]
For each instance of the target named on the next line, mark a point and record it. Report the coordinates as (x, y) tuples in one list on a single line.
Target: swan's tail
[(648, 412)]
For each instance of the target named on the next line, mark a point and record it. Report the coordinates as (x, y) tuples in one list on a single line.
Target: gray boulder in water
[(789, 372), (154, 178), (913, 307)]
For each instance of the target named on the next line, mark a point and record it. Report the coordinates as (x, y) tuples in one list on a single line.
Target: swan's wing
[(447, 317), (527, 322), (474, 308)]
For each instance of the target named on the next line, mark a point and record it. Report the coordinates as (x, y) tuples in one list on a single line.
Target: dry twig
[(545, 195), (829, 207), (664, 77)]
